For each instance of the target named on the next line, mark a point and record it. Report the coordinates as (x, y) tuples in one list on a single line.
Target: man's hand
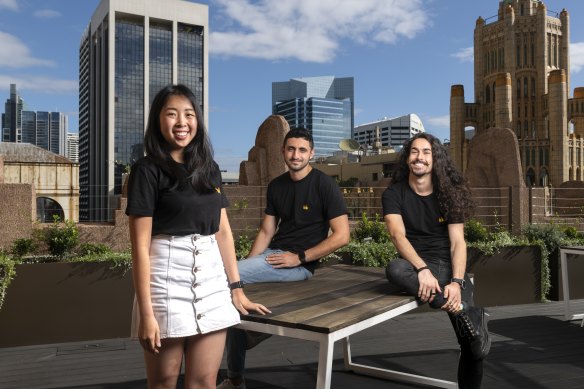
[(283, 260), (452, 294), (428, 286)]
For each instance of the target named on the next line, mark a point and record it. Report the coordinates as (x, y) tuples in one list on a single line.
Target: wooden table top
[(335, 297)]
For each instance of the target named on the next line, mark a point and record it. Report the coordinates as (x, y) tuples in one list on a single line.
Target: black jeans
[(403, 278)]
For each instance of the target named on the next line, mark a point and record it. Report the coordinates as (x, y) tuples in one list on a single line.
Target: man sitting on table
[(301, 205)]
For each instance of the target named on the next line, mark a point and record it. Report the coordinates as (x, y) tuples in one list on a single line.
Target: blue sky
[(403, 54)]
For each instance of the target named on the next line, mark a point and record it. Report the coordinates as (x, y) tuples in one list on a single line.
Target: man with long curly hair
[(424, 209)]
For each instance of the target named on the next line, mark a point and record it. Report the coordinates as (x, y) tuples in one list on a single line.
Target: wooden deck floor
[(532, 348)]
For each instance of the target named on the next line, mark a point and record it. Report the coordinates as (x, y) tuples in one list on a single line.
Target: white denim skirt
[(188, 286)]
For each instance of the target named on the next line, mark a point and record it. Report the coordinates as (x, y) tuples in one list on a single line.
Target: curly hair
[(454, 195)]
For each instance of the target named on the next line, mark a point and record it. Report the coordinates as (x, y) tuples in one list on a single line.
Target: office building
[(73, 147), (40, 128), (128, 52), (322, 105), (522, 82), (392, 132)]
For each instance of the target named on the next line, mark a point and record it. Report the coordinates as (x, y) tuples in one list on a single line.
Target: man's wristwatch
[(459, 281), (301, 256), (236, 285)]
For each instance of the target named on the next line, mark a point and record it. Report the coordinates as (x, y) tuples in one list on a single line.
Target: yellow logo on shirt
[(441, 219), (305, 207), (218, 190)]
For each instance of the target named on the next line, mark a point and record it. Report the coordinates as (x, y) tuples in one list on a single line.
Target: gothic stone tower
[(521, 82)]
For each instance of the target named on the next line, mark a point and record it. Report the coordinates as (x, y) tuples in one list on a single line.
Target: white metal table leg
[(325, 363), (565, 285)]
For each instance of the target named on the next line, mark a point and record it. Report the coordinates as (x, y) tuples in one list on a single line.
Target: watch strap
[(459, 281), (236, 285), (302, 256)]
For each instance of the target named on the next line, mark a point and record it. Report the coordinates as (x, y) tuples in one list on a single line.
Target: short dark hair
[(299, 132)]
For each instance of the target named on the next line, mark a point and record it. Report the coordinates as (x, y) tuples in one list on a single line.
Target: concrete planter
[(511, 276), (575, 272), (66, 302)]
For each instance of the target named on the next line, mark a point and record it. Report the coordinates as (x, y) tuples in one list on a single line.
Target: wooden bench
[(339, 301)]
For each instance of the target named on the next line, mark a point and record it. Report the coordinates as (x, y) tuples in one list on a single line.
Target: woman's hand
[(149, 334), (243, 305)]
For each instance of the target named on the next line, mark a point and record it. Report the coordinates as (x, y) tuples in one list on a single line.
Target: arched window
[(488, 94), (518, 88), (543, 177), (525, 90), (530, 177), (519, 129), (532, 87), (526, 129), (47, 209), (533, 129), (493, 92)]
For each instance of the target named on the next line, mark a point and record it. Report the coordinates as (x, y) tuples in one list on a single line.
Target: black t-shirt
[(304, 209), (174, 212), (426, 227)]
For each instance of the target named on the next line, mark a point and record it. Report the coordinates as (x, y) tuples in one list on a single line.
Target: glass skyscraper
[(129, 51), (322, 105), (40, 128)]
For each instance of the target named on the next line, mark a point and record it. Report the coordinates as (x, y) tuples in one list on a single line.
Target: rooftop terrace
[(532, 348)]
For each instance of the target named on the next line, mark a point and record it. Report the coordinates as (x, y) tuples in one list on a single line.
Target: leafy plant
[(23, 246), (474, 231), (93, 249), (348, 183), (243, 245), (7, 274), (377, 254), (241, 204), (61, 238), (373, 230)]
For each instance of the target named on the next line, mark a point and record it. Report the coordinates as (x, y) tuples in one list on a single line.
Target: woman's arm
[(140, 236), (227, 250)]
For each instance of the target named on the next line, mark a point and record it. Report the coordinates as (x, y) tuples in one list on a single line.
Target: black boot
[(471, 324)]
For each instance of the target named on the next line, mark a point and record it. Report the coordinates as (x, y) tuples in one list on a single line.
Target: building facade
[(521, 82), (129, 51), (40, 128), (55, 179), (322, 105), (392, 132), (73, 147)]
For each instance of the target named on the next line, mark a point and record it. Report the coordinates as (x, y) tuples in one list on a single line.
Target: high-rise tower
[(322, 105), (129, 51), (521, 82)]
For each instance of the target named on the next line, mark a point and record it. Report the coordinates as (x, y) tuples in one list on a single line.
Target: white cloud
[(576, 56), (438, 122), (464, 55), (15, 54), (9, 4), (40, 84), (311, 31), (46, 14)]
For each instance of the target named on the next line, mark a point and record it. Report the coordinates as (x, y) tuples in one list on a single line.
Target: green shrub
[(474, 231), (376, 254), (371, 230), (93, 249), (22, 247), (571, 232), (7, 273), (61, 238), (549, 234), (243, 245)]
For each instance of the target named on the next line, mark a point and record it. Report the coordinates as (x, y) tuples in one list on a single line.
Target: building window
[(525, 89), (488, 94)]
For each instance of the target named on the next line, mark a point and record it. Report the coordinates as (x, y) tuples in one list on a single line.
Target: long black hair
[(198, 155), (452, 190)]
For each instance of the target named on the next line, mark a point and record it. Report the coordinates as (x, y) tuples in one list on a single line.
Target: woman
[(182, 248)]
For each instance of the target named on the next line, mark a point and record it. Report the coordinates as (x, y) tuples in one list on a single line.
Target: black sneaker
[(471, 323)]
